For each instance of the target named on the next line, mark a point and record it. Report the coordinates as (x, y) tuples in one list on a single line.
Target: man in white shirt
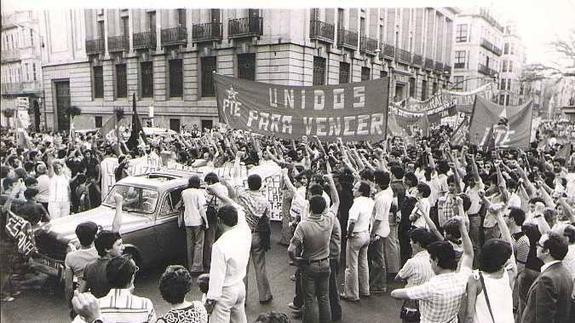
[(195, 221), (379, 232), (59, 192), (357, 271), (107, 168), (43, 185), (230, 255)]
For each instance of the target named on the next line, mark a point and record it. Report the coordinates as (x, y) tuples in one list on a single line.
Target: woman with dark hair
[(175, 283)]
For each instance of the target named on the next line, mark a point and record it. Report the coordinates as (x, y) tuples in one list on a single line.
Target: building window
[(98, 84), (125, 27), (32, 37), (424, 90), (459, 59), (182, 17), (152, 21), (207, 124), (382, 74), (502, 84), (504, 67), (176, 78), (365, 74), (34, 71), (121, 81), (98, 122), (344, 72), (147, 77), (208, 67), (27, 68), (502, 99), (510, 66), (318, 70), (461, 33), (506, 48), (412, 87), (175, 125), (247, 66), (458, 83), (101, 32), (434, 89)]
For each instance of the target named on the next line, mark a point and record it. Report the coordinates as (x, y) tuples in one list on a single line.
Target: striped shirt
[(417, 270), (121, 306)]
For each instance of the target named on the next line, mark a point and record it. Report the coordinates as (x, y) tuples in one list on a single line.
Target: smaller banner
[(353, 112), (20, 230), (510, 127)]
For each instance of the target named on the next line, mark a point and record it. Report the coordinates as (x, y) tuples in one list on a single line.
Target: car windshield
[(136, 199)]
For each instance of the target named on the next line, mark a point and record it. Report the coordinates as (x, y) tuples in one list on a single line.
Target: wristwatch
[(98, 320)]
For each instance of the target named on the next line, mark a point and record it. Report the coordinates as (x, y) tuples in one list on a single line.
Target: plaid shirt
[(440, 297), (417, 270), (446, 206)]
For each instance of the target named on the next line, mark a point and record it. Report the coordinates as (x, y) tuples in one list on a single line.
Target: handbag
[(486, 297), (410, 311)]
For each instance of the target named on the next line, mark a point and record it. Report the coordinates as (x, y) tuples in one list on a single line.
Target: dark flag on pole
[(133, 142)]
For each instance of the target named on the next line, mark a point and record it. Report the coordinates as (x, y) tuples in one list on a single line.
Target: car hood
[(64, 228)]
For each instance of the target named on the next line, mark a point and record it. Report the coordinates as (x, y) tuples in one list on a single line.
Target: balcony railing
[(387, 51), (347, 39), (486, 70), (245, 27), (429, 63), (367, 45), (447, 69), (490, 47), (145, 40), (487, 16), (12, 88), (174, 36), (439, 67), (10, 55), (31, 87), (459, 65), (403, 56), (322, 31), (118, 43), (417, 60), (211, 31), (94, 46)]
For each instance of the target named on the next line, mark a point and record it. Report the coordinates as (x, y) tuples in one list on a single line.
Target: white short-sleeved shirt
[(382, 206), (360, 213), (194, 200)]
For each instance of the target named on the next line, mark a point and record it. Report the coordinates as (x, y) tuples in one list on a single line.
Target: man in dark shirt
[(31, 210)]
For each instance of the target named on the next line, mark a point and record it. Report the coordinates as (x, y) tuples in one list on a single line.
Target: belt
[(316, 260), (472, 215)]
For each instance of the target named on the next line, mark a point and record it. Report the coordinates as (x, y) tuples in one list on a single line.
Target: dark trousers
[(377, 270), (258, 257), (404, 244), (315, 284), (298, 298), (334, 301), (209, 239)]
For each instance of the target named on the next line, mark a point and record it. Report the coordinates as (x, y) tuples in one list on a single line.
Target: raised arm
[(332, 189), (467, 258), (117, 222)]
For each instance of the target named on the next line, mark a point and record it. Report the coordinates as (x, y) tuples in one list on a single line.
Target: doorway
[(62, 89)]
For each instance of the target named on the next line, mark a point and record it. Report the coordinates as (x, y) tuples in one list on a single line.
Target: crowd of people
[(476, 236)]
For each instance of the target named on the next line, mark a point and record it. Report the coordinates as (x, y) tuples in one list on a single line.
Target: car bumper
[(48, 265)]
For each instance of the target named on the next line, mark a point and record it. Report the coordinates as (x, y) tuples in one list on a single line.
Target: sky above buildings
[(538, 21)]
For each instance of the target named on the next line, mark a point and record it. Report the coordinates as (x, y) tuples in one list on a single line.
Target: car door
[(169, 236)]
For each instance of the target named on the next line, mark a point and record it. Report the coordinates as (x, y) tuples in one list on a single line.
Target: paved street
[(38, 306)]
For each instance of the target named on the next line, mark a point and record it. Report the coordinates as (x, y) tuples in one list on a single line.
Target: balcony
[(490, 47), (31, 87), (387, 51), (322, 31), (145, 40), (417, 60), (485, 70), (245, 27), (447, 69), (428, 63), (95, 46), (367, 45), (118, 44), (487, 16), (174, 36), (403, 56), (347, 39), (459, 66), (10, 56), (439, 67), (208, 32), (12, 88)]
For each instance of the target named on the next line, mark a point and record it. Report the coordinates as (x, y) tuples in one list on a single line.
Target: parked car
[(150, 232)]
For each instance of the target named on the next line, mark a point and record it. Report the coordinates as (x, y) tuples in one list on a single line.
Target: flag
[(510, 126), (459, 136), (22, 138), (489, 143), (108, 126), (136, 127), (565, 151)]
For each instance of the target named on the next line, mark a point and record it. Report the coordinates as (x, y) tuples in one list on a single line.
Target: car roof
[(162, 180)]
